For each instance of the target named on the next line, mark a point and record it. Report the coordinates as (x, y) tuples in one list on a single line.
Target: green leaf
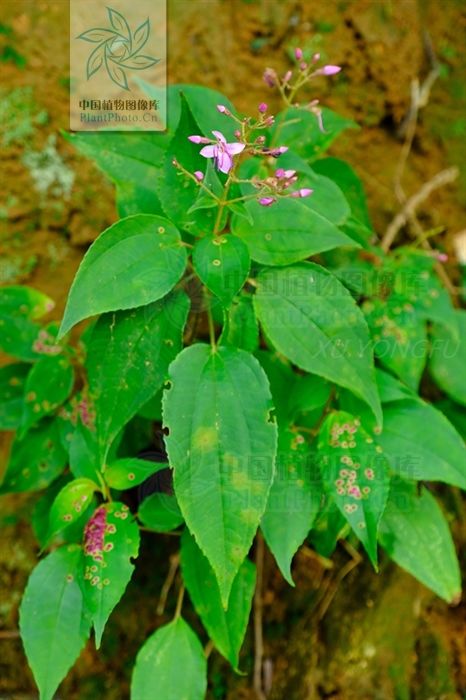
[(400, 338), (130, 161), (128, 358), (18, 336), (340, 172), (24, 301), (355, 473), (308, 393), (241, 328), (129, 472), (287, 232), (448, 358), (111, 540), (226, 628), (294, 500), (390, 389), (329, 527), (12, 381), (84, 452), (221, 445), (222, 264), (52, 623), (327, 199), (48, 385), (160, 512), (299, 130), (281, 378), (36, 460), (170, 665), (455, 414), (420, 443), (69, 504), (415, 534), (314, 321), (133, 263)]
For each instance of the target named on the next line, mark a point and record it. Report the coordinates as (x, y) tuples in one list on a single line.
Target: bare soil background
[(344, 632)]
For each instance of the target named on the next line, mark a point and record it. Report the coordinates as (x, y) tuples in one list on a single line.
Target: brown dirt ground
[(421, 651)]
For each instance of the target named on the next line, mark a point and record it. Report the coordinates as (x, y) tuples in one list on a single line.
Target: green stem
[(210, 320)]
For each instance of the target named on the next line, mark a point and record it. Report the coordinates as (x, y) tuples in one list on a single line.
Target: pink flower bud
[(328, 70), (303, 65), (287, 77), (198, 175), (316, 57), (298, 54), (263, 108), (269, 121), (237, 133), (442, 257), (223, 110), (303, 192), (266, 201), (260, 139), (195, 138), (280, 173)]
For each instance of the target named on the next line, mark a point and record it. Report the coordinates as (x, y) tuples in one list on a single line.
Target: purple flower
[(263, 108), (266, 201), (222, 152), (198, 175), (298, 54)]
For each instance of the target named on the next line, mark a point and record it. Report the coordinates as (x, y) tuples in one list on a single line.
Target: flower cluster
[(291, 81)]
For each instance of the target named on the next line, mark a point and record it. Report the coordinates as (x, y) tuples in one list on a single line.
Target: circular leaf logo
[(118, 50)]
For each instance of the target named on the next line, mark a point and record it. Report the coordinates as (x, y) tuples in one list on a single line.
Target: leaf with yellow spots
[(221, 445), (125, 473), (294, 499), (36, 460), (355, 474), (69, 504), (48, 385), (400, 338), (222, 263), (111, 541), (17, 300), (52, 619), (133, 263), (12, 382)]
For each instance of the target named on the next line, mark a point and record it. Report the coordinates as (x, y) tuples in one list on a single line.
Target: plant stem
[(179, 603)]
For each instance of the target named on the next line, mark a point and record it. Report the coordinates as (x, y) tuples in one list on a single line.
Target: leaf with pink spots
[(355, 474), (111, 540)]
